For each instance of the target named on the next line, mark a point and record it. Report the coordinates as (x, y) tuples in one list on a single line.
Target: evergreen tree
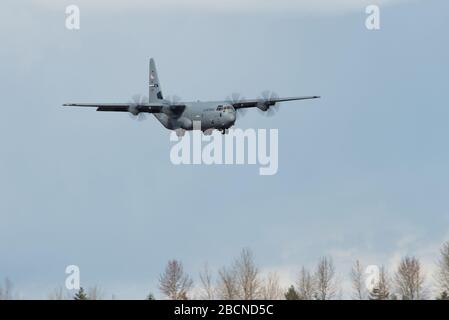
[(81, 295), (444, 296), (291, 294), (151, 296), (381, 290), (378, 294)]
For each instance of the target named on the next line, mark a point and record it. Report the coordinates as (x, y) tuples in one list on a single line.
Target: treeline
[(242, 280)]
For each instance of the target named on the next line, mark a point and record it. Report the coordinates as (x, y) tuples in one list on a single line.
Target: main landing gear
[(208, 132)]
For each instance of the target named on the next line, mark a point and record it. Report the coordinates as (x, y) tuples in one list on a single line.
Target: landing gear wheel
[(180, 132), (208, 132)]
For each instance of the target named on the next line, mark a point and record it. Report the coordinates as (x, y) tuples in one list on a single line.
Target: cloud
[(229, 6), (345, 256), (426, 251)]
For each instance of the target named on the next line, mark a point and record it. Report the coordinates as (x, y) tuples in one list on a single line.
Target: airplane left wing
[(265, 103)]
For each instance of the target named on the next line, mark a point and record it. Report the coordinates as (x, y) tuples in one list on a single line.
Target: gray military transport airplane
[(180, 116)]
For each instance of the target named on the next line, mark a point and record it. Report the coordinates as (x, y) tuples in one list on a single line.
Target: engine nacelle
[(263, 105), (186, 123)]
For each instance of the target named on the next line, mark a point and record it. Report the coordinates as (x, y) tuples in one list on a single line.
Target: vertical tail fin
[(155, 92)]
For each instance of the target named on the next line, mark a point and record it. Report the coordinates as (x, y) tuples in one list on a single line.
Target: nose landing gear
[(208, 132)]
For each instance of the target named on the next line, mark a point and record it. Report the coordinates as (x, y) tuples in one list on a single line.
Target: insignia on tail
[(155, 92)]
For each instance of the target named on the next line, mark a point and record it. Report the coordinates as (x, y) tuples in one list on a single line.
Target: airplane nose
[(231, 117)]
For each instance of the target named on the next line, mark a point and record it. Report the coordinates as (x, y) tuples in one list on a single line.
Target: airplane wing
[(265, 103), (119, 107)]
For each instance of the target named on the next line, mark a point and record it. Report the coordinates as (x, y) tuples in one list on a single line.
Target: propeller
[(268, 108), (134, 113), (235, 99), (175, 109)]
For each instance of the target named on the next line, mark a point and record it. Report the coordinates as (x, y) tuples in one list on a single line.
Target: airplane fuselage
[(210, 115)]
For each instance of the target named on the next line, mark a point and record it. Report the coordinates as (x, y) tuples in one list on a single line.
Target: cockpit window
[(226, 108)]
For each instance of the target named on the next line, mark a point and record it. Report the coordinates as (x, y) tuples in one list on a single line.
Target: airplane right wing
[(120, 107)]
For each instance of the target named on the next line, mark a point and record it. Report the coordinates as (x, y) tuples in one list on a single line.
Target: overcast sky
[(363, 172)]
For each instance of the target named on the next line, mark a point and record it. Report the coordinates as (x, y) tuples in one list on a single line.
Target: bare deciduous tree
[(95, 293), (357, 281), (174, 282), (241, 280), (325, 280), (6, 291), (228, 284), (247, 276), (208, 289), (271, 289), (306, 285), (59, 294), (442, 276), (409, 279)]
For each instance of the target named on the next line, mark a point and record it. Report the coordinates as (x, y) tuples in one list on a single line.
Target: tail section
[(155, 92)]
